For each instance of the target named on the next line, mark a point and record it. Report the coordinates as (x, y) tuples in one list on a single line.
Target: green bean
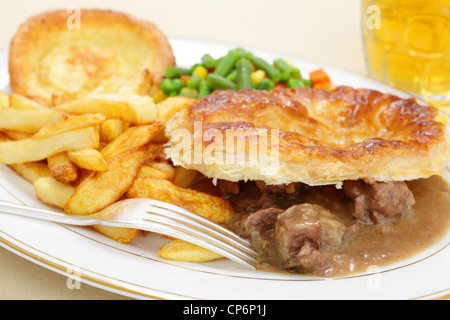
[(204, 89), (226, 64), (295, 83), (286, 69), (175, 72), (307, 83), (232, 75), (265, 84), (244, 70), (218, 82), (270, 70), (208, 61)]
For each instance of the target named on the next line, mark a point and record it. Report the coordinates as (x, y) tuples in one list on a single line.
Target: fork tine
[(211, 228), (183, 233), (182, 221), (200, 219)]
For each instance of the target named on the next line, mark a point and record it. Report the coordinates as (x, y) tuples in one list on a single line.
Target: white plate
[(135, 270)]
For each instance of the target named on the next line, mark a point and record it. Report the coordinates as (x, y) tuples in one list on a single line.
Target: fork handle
[(42, 214)]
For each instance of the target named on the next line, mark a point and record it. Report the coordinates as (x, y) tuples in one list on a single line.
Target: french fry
[(31, 171), (180, 250), (78, 122), (29, 121), (148, 171), (29, 150), (15, 135), (53, 192), (100, 189), (168, 107), (62, 168), (133, 108), (112, 128), (185, 177), (208, 206), (121, 235), (90, 159), (165, 167), (4, 100), (132, 138), (140, 84), (19, 102)]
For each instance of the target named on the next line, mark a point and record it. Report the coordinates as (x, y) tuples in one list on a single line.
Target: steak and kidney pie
[(322, 181)]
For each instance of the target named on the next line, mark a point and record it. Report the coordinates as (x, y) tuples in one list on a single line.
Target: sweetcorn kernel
[(257, 76), (200, 71)]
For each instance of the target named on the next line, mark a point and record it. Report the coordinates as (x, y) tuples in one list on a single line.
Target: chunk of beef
[(302, 231), (374, 202), (259, 222)]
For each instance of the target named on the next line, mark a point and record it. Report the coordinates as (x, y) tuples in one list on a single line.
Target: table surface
[(326, 31)]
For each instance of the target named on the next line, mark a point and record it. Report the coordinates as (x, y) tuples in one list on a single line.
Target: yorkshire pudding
[(326, 136), (52, 55)]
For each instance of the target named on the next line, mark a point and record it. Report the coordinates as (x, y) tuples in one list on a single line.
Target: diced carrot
[(280, 85), (319, 76), (184, 78), (322, 86)]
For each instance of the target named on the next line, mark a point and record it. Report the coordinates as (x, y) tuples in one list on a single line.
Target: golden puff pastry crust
[(51, 56), (326, 136)]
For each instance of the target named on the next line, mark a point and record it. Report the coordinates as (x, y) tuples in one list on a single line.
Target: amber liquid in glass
[(407, 45)]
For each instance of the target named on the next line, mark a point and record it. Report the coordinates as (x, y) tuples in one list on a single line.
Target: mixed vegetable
[(238, 69)]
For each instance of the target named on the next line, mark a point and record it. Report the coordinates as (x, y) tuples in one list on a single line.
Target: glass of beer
[(407, 45)]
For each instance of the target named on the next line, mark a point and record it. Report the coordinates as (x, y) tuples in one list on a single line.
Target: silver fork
[(154, 216)]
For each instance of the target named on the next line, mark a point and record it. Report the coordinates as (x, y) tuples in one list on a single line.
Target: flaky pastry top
[(326, 136)]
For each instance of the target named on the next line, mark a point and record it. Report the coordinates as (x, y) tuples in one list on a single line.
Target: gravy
[(379, 246)]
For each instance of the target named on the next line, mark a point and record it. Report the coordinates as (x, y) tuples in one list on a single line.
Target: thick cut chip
[(101, 189), (53, 192), (31, 171), (19, 102), (133, 108), (122, 235), (168, 107), (132, 138), (78, 122), (90, 159), (112, 128), (180, 250), (29, 121), (34, 150), (62, 168), (208, 206)]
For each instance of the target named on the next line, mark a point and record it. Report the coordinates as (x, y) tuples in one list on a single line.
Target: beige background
[(325, 31)]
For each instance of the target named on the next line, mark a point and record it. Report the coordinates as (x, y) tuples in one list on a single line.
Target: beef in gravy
[(335, 232)]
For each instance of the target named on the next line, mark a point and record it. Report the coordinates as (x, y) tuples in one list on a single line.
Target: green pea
[(265, 84)]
